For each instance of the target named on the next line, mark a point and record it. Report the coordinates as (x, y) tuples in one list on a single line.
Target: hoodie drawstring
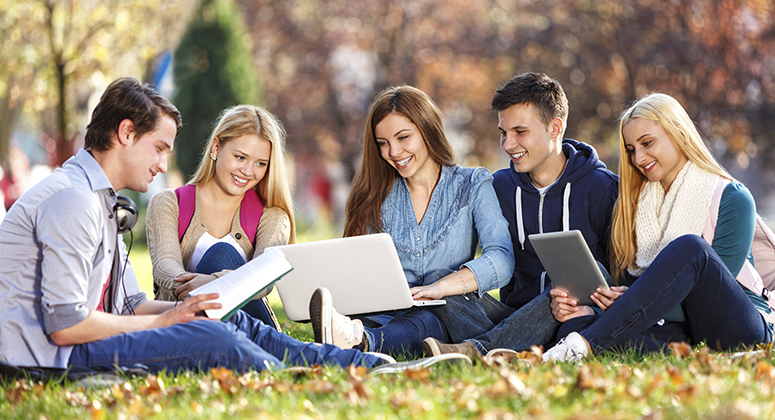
[(565, 221)]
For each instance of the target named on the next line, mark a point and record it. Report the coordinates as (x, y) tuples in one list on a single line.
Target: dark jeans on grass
[(687, 272), (242, 343)]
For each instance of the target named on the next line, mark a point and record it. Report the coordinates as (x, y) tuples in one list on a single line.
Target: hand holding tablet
[(569, 264)]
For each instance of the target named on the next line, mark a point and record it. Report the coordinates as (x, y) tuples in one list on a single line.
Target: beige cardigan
[(170, 257)]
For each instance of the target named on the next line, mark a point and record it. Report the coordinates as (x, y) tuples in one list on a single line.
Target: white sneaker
[(331, 327), (572, 348)]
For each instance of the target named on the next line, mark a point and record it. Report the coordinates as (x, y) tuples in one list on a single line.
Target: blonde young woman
[(674, 286), (246, 152)]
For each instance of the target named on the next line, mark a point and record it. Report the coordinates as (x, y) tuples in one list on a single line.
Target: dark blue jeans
[(223, 256), (687, 272), (402, 332), (242, 343)]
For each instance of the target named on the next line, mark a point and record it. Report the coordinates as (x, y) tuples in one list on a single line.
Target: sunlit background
[(318, 64)]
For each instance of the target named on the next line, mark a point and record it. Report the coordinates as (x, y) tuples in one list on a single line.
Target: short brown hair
[(536, 89), (127, 98)]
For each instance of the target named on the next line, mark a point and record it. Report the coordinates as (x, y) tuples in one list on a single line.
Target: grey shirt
[(56, 253)]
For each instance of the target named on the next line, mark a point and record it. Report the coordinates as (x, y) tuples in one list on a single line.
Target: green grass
[(699, 386)]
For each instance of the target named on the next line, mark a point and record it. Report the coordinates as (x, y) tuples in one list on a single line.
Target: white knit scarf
[(662, 217)]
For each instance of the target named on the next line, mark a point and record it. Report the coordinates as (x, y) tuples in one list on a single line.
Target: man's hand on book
[(191, 281), (189, 310)]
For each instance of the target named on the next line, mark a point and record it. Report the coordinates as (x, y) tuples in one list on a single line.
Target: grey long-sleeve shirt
[(56, 253)]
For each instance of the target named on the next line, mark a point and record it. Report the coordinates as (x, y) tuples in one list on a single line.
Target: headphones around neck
[(126, 214)]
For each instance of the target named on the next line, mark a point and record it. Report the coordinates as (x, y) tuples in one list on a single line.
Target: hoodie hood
[(582, 159)]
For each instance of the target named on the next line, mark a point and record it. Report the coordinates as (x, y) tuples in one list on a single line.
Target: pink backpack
[(250, 213), (759, 277)]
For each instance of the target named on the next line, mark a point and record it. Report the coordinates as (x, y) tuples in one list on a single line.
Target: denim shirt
[(463, 212)]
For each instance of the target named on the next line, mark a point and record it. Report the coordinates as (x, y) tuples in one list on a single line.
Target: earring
[(212, 156)]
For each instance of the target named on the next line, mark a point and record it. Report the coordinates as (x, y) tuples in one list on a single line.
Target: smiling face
[(147, 156), (402, 146), (240, 163), (652, 152), (533, 147)]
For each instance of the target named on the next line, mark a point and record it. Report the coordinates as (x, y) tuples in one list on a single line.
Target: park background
[(318, 64)]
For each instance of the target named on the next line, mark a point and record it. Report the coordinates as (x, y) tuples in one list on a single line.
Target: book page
[(245, 282)]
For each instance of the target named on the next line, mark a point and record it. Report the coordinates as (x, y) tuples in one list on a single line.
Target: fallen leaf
[(153, 386), (681, 350), (320, 387), (421, 374)]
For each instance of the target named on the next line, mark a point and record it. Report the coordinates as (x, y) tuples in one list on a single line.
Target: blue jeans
[(532, 324), (223, 256), (402, 332), (687, 272), (654, 339), (242, 343)]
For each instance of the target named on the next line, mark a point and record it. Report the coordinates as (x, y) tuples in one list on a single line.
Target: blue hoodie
[(582, 198)]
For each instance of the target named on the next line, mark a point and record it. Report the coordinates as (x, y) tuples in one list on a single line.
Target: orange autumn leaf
[(681, 350)]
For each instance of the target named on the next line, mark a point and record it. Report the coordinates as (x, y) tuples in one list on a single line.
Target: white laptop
[(363, 274)]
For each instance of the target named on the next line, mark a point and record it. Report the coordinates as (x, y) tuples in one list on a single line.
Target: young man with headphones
[(64, 292)]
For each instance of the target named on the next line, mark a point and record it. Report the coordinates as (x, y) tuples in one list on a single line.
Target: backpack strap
[(250, 213), (186, 205), (715, 203), (748, 276)]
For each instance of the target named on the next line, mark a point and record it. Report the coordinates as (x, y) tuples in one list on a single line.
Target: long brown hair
[(670, 115), (374, 177), (241, 120)]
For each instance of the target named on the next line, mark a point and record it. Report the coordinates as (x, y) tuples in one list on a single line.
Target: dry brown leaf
[(153, 386), (686, 393), (508, 385), (681, 350), (421, 374), (320, 386), (591, 380), (676, 374)]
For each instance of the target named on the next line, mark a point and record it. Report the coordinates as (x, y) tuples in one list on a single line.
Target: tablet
[(569, 264)]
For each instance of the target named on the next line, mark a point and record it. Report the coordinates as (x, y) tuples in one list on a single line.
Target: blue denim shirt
[(463, 212)]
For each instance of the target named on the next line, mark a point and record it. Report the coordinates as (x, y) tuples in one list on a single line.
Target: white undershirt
[(205, 242)]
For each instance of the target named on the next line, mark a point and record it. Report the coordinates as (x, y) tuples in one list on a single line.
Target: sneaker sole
[(430, 347), (420, 363), (320, 306)]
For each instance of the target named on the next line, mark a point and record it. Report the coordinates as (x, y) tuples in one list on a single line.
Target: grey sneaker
[(572, 348), (419, 363), (434, 347), (331, 327)]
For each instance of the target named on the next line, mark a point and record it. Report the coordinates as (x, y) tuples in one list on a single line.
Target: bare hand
[(431, 291), (189, 310), (565, 308), (605, 298), (191, 281)]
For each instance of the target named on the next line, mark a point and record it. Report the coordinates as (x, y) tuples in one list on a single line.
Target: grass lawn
[(691, 383)]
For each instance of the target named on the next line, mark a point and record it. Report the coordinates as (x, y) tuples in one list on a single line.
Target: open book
[(237, 288)]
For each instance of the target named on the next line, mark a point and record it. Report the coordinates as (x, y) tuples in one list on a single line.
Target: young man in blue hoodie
[(551, 185)]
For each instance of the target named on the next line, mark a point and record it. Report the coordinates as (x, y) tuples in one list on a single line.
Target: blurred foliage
[(55, 53), (323, 61), (213, 70)]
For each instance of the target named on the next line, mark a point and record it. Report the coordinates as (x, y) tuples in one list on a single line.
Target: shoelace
[(347, 333)]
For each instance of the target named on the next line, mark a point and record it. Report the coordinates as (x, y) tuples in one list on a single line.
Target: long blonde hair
[(671, 116), (275, 188), (374, 178)]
